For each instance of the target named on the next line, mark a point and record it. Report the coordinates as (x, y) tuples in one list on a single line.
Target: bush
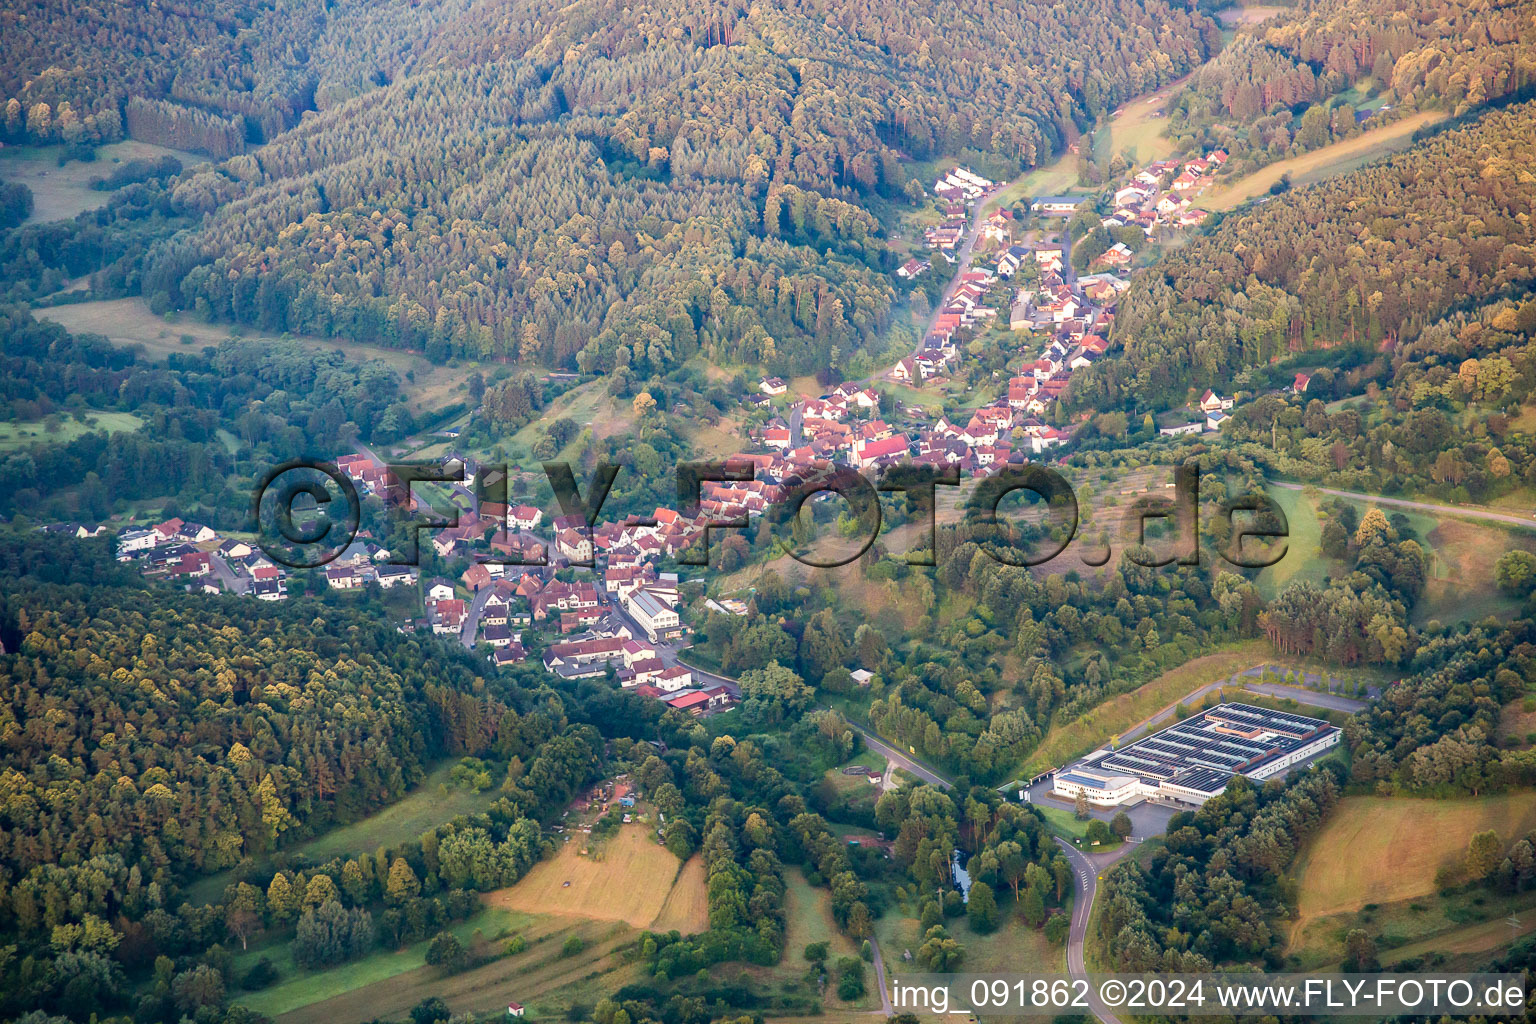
[(850, 978), (261, 974), (1098, 832), (572, 945), (447, 952)]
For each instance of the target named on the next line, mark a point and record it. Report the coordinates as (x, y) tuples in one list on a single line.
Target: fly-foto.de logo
[(306, 512)]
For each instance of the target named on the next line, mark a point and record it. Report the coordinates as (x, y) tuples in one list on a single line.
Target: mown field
[(625, 884), (1462, 554), (629, 878), (542, 977), (1138, 128), (18, 435), (1386, 849), (1327, 162), (1374, 867), (128, 322)]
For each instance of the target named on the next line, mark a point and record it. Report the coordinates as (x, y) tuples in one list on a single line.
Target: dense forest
[(613, 187), (212, 77), (1371, 257), (1445, 421)]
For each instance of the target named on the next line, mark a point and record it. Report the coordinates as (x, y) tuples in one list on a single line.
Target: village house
[(1212, 402)]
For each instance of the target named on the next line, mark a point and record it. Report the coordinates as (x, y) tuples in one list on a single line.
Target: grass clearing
[(1319, 164), (1431, 930), (687, 905), (807, 919), (1303, 558), (298, 988), (1462, 554), (1247, 14), (628, 878), (432, 803), (62, 193), (128, 322), (1139, 126), (1072, 739), (24, 435), (1518, 722), (1387, 849)]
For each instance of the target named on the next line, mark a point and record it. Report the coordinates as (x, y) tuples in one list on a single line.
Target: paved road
[(885, 993), (1470, 511), (1088, 868), (900, 759), (472, 616), (232, 582), (1332, 701)]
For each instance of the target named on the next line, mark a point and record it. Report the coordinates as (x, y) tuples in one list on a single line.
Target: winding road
[(1089, 869)]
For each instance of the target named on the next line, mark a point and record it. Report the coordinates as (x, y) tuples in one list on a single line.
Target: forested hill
[(177, 734), (1291, 85), (1373, 256), (604, 184)]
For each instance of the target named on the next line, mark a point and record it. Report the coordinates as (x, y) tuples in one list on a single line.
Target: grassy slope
[(1461, 553), (1321, 163), (60, 193), (1383, 849), (432, 803), (627, 878), (1076, 737)]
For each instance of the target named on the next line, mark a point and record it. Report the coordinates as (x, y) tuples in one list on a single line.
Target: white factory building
[(1193, 760)]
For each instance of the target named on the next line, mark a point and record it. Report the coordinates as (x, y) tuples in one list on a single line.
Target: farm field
[(297, 988), (19, 435), (1386, 849), (1072, 739), (61, 193), (637, 884), (1312, 167), (542, 977), (128, 322), (631, 878)]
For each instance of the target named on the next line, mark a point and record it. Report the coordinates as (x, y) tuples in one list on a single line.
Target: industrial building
[(1193, 760)]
